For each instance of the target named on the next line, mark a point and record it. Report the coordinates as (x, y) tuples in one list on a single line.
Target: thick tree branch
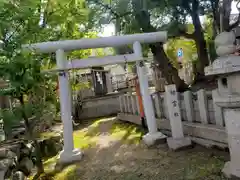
[(194, 10), (13, 33), (45, 15), (106, 6), (234, 25), (125, 14), (181, 31), (121, 15), (195, 18), (226, 12), (186, 6), (216, 16)]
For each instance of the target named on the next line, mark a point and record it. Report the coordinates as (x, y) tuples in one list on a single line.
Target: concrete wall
[(100, 106)]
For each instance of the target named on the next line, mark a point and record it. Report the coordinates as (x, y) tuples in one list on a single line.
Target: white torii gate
[(70, 154)]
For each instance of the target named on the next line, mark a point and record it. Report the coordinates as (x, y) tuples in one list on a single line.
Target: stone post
[(227, 96), (202, 105), (177, 141), (189, 105)]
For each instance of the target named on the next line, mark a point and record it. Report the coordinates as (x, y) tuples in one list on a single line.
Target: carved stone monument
[(227, 69), (178, 140)]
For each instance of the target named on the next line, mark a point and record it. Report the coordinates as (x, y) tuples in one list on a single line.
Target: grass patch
[(210, 169), (88, 137), (67, 173), (197, 164), (128, 133)]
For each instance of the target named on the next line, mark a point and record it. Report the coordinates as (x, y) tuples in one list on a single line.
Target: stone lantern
[(227, 69)]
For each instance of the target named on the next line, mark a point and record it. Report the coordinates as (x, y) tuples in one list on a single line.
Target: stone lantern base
[(227, 68), (227, 171)]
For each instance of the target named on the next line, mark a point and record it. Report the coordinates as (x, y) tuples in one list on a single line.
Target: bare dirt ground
[(114, 151)]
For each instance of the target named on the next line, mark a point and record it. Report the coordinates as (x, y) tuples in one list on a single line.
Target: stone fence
[(202, 119)]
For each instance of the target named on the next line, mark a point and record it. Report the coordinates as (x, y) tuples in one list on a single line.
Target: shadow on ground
[(113, 151)]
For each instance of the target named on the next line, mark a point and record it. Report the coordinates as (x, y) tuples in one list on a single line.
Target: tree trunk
[(226, 10), (200, 42), (203, 59), (212, 50), (169, 72), (28, 128), (216, 17)]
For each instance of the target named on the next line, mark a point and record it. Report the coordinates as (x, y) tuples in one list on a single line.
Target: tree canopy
[(54, 20), (171, 15)]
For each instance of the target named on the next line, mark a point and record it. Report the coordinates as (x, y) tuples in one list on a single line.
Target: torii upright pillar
[(153, 134), (69, 154)]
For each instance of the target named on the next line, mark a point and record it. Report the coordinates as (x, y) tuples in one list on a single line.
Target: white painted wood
[(126, 100), (218, 112), (189, 106), (147, 100), (84, 43), (133, 102), (124, 104), (202, 103), (129, 104), (65, 103), (121, 103), (174, 111)]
